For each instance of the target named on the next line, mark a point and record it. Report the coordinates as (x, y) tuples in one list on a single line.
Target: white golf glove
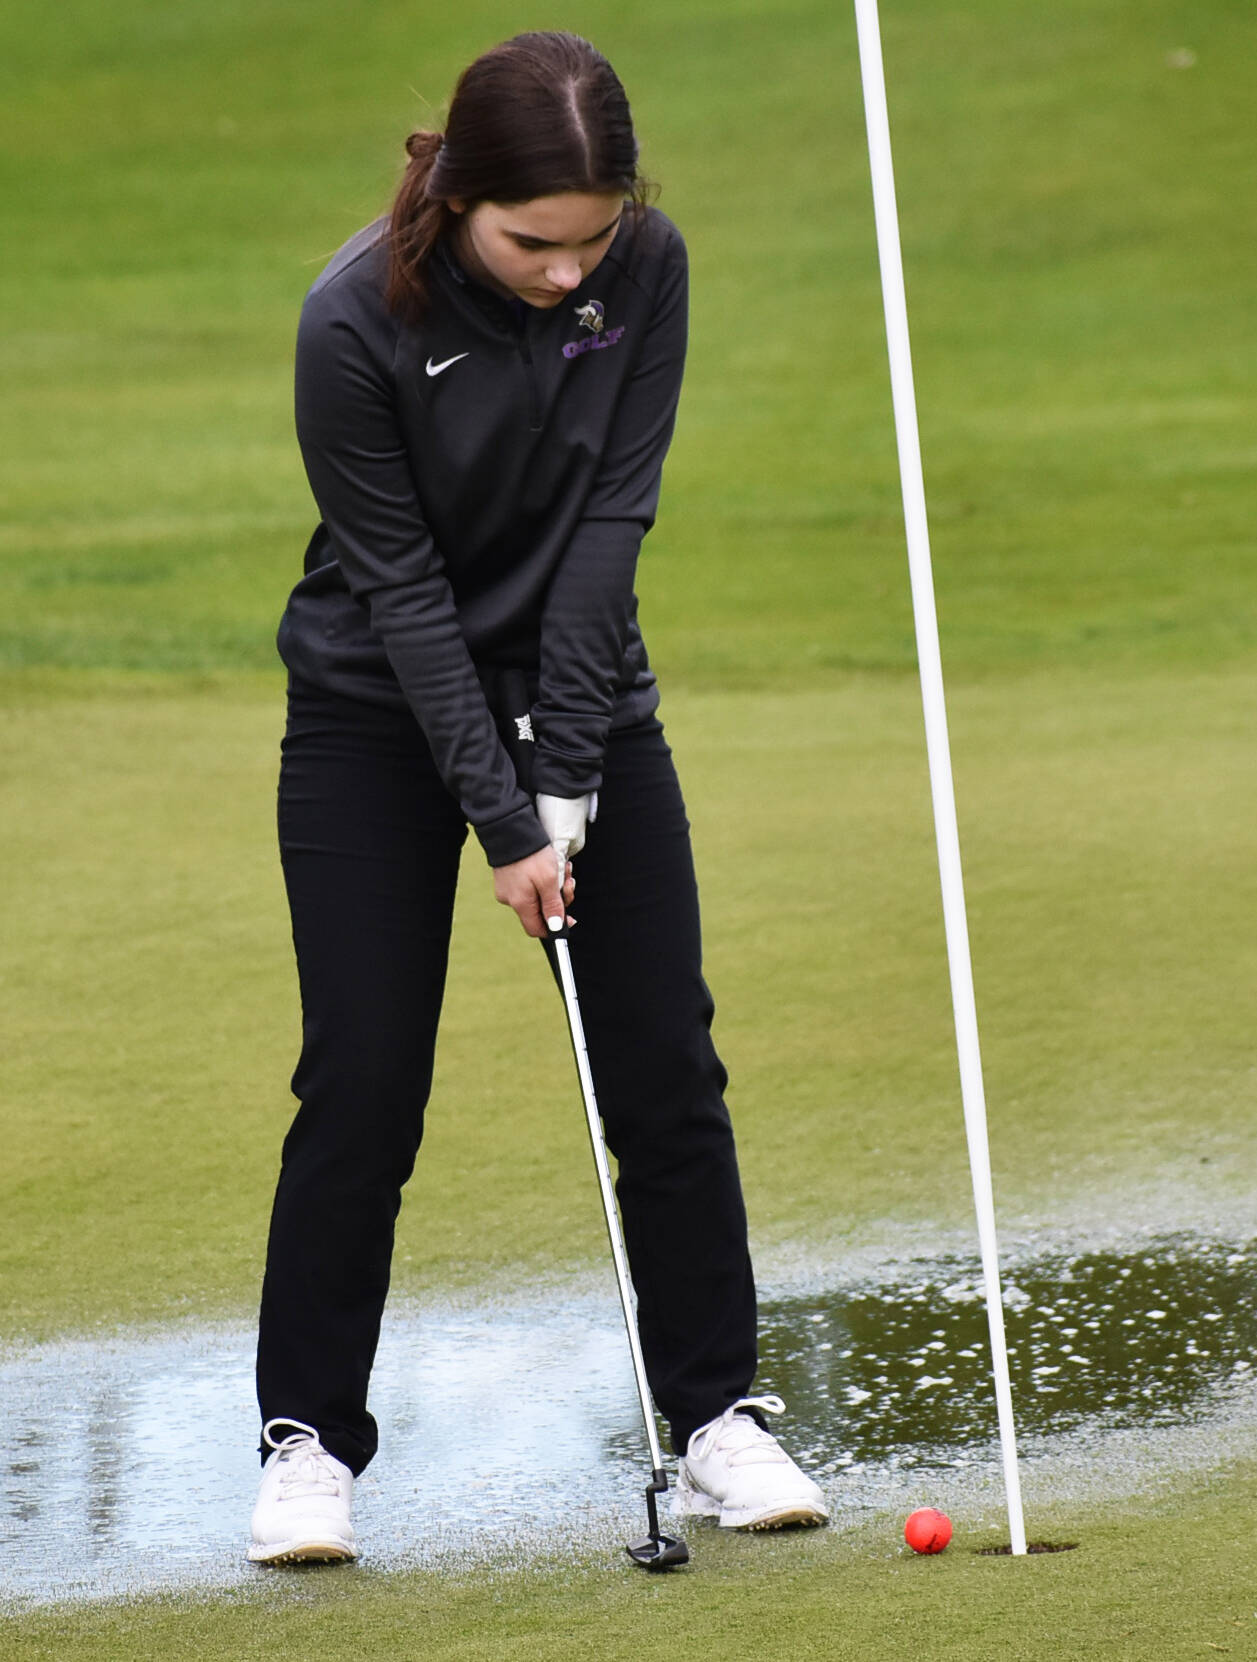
[(564, 820)]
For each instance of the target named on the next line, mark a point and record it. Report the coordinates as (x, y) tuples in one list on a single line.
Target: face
[(539, 251)]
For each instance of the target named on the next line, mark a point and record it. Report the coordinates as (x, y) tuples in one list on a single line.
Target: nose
[(564, 273)]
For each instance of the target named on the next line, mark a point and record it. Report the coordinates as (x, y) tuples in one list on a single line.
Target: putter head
[(658, 1552)]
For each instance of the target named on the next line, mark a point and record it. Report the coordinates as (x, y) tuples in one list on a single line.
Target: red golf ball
[(927, 1530)]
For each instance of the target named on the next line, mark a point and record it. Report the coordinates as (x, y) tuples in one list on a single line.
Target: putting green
[(1107, 830), (1171, 1578)]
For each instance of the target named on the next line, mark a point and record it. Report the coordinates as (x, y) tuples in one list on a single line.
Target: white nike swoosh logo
[(435, 369)]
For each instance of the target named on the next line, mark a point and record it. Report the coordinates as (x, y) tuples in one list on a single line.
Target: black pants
[(370, 840)]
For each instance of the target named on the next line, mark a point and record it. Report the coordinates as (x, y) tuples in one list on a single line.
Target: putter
[(656, 1551)]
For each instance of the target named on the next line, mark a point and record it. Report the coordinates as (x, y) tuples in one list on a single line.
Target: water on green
[(1107, 1339), (511, 1432)]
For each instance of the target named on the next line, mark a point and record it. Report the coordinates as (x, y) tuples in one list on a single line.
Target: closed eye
[(534, 245)]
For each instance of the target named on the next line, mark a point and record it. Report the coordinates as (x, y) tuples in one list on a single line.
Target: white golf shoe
[(302, 1511), (734, 1471)]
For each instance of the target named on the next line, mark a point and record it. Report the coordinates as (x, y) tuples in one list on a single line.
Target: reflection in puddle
[(1100, 1338), (127, 1466)]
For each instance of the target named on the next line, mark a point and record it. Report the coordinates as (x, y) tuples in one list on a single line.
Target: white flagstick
[(937, 746)]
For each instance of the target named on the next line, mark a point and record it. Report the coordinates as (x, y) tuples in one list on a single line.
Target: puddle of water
[(512, 1433), (1106, 1339), (129, 1465)]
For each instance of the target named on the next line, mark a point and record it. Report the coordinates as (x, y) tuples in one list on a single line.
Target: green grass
[(1079, 277), (1172, 1579), (1111, 892), (1082, 315)]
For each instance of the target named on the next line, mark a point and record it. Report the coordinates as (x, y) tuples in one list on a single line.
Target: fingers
[(537, 889), (552, 905), (556, 917)]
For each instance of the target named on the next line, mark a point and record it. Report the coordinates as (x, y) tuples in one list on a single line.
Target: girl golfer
[(486, 387)]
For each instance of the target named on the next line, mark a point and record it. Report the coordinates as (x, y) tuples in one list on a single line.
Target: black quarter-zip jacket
[(485, 479)]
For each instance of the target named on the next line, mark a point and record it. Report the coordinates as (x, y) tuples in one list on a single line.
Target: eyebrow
[(543, 242)]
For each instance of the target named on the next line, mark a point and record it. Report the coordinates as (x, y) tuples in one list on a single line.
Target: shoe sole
[(692, 1502), (303, 1552), (803, 1514), (790, 1517)]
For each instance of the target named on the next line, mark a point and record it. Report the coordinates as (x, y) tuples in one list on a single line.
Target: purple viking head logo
[(590, 316)]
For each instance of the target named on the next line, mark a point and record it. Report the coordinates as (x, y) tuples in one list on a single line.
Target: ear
[(456, 204)]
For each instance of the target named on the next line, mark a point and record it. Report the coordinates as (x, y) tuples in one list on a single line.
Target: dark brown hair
[(540, 114)]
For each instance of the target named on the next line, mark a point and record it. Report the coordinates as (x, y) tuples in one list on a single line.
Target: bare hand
[(531, 887)]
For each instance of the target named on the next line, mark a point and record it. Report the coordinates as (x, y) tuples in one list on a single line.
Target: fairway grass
[(1080, 292)]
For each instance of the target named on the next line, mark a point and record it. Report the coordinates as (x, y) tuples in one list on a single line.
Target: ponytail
[(415, 225)]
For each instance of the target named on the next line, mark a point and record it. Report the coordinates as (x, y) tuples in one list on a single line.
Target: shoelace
[(745, 1432), (307, 1464)]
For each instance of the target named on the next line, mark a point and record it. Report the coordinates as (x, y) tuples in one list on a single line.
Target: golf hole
[(1006, 1550)]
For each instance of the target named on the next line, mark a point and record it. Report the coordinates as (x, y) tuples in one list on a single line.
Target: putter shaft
[(657, 1551)]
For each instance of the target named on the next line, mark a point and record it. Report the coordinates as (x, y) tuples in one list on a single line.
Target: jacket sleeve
[(590, 603), (360, 475)]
